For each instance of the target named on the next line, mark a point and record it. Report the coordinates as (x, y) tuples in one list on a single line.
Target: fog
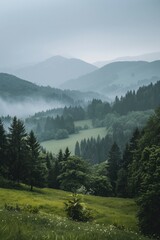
[(27, 107), (92, 30)]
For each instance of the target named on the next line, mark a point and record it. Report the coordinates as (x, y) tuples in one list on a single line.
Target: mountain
[(55, 71), (117, 78), (22, 98), (13, 88), (149, 57)]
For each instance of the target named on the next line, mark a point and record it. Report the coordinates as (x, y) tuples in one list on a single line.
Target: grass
[(114, 218), (55, 145), (106, 210)]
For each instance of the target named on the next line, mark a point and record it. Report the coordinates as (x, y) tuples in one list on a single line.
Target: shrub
[(31, 209), (17, 208), (76, 210), (11, 207)]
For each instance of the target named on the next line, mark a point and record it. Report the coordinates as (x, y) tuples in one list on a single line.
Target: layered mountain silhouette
[(117, 78), (55, 71), (149, 57)]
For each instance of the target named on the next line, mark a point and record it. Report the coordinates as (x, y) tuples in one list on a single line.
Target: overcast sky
[(93, 30)]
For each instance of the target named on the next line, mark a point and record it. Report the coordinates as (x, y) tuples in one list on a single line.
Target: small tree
[(76, 210)]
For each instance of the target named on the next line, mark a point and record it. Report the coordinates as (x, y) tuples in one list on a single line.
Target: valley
[(55, 145)]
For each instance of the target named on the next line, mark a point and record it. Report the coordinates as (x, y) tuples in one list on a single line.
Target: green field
[(55, 145), (114, 218)]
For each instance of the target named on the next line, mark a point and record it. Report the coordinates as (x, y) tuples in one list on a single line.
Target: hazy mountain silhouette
[(116, 78), (149, 57), (55, 71)]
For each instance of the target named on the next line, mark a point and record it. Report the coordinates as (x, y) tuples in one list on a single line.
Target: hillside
[(18, 96), (113, 217), (117, 78), (55, 71)]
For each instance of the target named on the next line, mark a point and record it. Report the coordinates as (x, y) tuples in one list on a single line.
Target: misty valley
[(96, 136)]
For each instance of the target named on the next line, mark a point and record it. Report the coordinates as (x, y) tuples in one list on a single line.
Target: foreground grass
[(113, 218), (55, 145)]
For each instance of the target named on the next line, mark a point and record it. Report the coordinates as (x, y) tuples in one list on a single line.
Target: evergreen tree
[(114, 162), (66, 155), (35, 169), (121, 183), (77, 149), (3, 150), (55, 171), (17, 150)]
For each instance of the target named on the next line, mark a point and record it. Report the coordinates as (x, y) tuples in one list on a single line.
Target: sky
[(92, 30)]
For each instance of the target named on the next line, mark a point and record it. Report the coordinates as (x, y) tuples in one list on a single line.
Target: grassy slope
[(50, 223), (55, 145), (106, 210)]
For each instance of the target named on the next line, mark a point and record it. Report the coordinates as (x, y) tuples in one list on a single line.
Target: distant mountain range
[(117, 78), (55, 71), (149, 57)]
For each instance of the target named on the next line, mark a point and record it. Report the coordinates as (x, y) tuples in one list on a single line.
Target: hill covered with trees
[(117, 78)]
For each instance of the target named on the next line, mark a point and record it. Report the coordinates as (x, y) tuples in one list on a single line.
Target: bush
[(25, 208), (31, 209), (10, 207), (76, 210)]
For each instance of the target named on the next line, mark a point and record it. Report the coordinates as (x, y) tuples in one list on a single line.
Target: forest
[(133, 173)]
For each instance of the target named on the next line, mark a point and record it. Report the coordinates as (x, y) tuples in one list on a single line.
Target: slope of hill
[(54, 71), (117, 78), (41, 215), (19, 97), (13, 88)]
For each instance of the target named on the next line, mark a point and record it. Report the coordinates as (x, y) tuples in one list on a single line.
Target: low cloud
[(27, 107)]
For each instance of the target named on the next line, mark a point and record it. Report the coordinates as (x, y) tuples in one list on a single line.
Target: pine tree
[(3, 150), (77, 149), (55, 171), (17, 150), (35, 169), (114, 162), (66, 155)]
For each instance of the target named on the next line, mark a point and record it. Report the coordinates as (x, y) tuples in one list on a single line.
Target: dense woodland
[(120, 117)]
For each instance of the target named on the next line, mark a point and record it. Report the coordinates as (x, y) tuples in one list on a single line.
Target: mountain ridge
[(117, 78), (149, 57), (55, 70)]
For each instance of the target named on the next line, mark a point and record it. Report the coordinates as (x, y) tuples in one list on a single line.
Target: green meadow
[(55, 145), (113, 218)]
